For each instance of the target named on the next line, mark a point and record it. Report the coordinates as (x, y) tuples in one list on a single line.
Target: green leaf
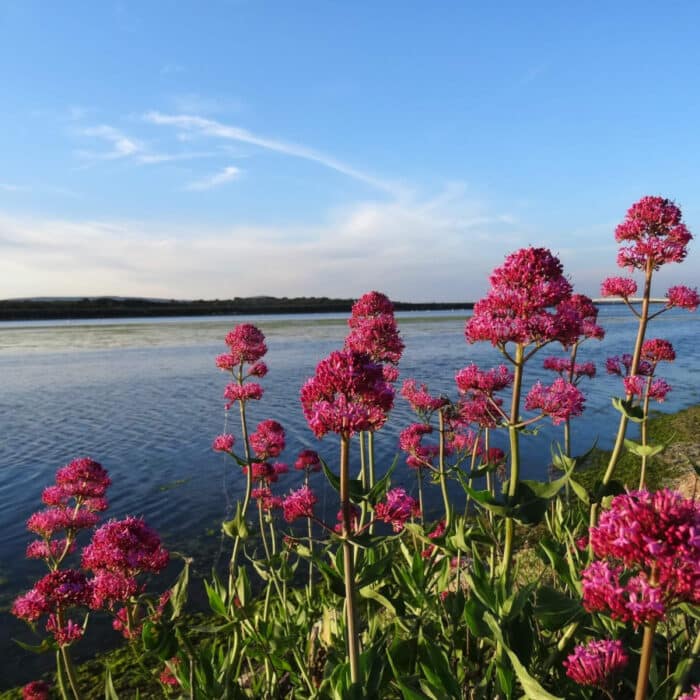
[(378, 491), (633, 413), (439, 664), (373, 594), (46, 645), (332, 478), (237, 526), (487, 501), (532, 688), (555, 609), (110, 691), (178, 593), (216, 603), (643, 450)]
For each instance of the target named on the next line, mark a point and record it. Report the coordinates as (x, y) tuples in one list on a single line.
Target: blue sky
[(220, 149)]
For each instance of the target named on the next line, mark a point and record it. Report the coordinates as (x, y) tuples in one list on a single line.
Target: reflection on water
[(144, 398)]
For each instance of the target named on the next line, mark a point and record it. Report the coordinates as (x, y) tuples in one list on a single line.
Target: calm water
[(144, 399)]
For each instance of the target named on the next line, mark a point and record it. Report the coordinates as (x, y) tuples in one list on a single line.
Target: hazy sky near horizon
[(240, 147)]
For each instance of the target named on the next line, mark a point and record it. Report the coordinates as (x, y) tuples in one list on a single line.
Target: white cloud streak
[(226, 175), (215, 129)]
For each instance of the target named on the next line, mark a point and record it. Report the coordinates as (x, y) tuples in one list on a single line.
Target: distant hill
[(41, 309)]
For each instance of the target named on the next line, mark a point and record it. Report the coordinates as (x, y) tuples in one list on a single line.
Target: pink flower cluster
[(246, 346), (694, 693), (654, 232), (347, 394), (636, 385), (397, 509), (299, 504), (655, 537), (587, 311), (518, 306), (567, 368), (683, 298), (420, 456), (74, 501), (622, 364), (422, 402), (658, 350), (559, 401), (373, 329), (268, 440), (618, 287), (597, 663), (479, 404), (309, 461), (223, 443), (36, 690)]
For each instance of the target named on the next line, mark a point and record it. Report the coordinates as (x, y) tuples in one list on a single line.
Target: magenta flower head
[(694, 693), (658, 350), (597, 663), (654, 233), (242, 392), (125, 546), (560, 401), (587, 311), (347, 394), (397, 509), (656, 538), (372, 304), (299, 504), (268, 440), (308, 460), (223, 443), (422, 402), (83, 478), (246, 343), (36, 690), (518, 306), (623, 287), (373, 329), (683, 298)]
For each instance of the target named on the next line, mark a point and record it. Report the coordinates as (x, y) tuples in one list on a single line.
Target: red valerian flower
[(36, 690), (346, 395), (658, 350), (268, 440), (560, 401), (694, 693), (397, 509), (372, 304), (656, 538), (421, 400), (299, 504), (683, 298), (309, 461), (518, 306), (242, 392), (597, 663), (618, 287), (223, 443), (654, 232), (125, 546), (247, 343)]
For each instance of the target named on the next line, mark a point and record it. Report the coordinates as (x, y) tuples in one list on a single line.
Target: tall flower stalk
[(651, 235), (526, 308), (347, 394)]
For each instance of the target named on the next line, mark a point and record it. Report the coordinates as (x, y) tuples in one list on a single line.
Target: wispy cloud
[(126, 147), (121, 145), (215, 129), (226, 175)]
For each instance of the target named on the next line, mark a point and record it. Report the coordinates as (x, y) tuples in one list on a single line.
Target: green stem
[(353, 639), (70, 672), (644, 432), (514, 439), (640, 692), (442, 473)]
